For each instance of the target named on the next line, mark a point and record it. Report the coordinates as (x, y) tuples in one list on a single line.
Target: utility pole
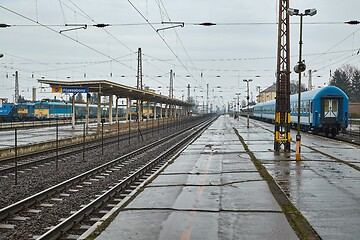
[(207, 98), (139, 84), (282, 109), (171, 93), (16, 87), (188, 95), (34, 94), (171, 89)]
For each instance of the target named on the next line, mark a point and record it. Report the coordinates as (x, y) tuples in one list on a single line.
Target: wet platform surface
[(324, 185), (213, 190)]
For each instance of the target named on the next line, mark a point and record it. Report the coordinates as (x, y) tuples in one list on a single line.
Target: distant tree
[(347, 79), (294, 87), (355, 86), (341, 80), (21, 99), (79, 98)]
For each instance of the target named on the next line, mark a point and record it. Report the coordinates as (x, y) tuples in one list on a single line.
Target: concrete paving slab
[(229, 166), (248, 196), (327, 223), (236, 177), (255, 226), (156, 198), (133, 225), (187, 179)]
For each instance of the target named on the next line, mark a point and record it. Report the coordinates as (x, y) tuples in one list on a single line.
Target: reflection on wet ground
[(324, 185)]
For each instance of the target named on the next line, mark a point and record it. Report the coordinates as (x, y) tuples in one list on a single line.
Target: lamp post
[(234, 106), (299, 68), (258, 89), (247, 98), (238, 105)]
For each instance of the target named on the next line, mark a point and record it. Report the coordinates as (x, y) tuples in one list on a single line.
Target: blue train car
[(25, 111), (323, 110), (52, 109), (80, 111), (7, 112)]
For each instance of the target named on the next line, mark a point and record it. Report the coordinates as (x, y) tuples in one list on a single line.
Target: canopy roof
[(107, 88)]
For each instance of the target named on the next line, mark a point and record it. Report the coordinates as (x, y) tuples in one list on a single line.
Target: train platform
[(211, 191)]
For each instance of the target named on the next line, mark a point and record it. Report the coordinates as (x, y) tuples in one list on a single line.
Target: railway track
[(41, 123), (53, 212), (30, 160)]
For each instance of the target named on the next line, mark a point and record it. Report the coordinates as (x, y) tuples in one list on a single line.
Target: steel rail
[(124, 136), (68, 223), (18, 206)]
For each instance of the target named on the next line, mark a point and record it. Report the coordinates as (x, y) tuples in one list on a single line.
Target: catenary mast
[(282, 111)]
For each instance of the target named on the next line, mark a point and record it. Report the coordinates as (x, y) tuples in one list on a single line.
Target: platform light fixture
[(299, 68), (238, 105)]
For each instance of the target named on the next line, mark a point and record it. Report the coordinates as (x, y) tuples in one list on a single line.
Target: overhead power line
[(169, 47)]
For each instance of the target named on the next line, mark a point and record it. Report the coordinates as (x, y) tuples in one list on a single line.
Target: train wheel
[(333, 132), (326, 131)]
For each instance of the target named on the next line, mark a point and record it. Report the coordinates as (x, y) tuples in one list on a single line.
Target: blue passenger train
[(57, 109), (7, 111), (49, 109), (324, 110)]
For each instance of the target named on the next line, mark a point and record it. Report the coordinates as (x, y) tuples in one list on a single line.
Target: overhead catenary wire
[(334, 46), (169, 47), (71, 38), (178, 37), (109, 34)]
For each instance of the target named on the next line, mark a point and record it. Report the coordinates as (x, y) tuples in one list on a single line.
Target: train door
[(310, 110), (330, 110)]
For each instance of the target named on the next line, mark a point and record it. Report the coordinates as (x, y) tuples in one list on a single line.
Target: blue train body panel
[(50, 109), (323, 110), (25, 111), (6, 108), (7, 112), (58, 109)]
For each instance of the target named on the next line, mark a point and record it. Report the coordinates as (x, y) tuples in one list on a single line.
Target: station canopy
[(106, 88)]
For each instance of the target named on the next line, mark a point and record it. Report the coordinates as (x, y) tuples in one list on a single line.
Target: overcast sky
[(242, 45)]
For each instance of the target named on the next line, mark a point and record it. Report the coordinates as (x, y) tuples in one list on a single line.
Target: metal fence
[(354, 127)]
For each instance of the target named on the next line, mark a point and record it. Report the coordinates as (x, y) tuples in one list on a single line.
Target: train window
[(326, 106), (334, 105), (302, 107), (307, 107)]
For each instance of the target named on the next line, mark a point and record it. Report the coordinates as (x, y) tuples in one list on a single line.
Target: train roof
[(319, 92), (51, 103), (310, 95)]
